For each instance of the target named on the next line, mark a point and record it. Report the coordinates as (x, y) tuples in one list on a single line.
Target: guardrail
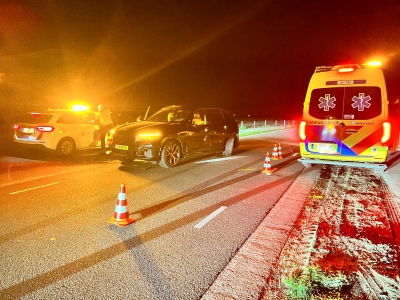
[(243, 124)]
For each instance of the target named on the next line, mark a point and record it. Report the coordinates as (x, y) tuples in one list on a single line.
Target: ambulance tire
[(307, 165), (395, 136), (395, 144), (66, 146)]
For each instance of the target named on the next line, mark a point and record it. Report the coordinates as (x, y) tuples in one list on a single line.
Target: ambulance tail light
[(302, 130), (386, 132), (45, 128)]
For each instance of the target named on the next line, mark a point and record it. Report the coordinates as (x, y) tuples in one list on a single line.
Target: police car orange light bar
[(45, 128), (79, 107)]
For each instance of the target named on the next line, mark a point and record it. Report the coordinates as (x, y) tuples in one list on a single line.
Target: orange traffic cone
[(275, 153), (267, 165), (279, 151), (121, 214)]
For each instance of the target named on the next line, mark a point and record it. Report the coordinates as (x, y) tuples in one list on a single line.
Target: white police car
[(63, 130)]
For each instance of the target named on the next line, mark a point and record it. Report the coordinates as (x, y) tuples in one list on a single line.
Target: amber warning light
[(374, 64)]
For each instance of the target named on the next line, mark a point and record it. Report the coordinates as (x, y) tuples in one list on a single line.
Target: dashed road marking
[(209, 217), (34, 188), (219, 159)]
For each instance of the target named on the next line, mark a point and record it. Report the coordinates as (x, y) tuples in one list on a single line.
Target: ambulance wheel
[(307, 165), (395, 144), (66, 146)]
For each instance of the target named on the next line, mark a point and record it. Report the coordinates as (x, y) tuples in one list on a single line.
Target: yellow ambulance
[(346, 117)]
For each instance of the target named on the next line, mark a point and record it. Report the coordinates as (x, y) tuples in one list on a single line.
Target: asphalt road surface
[(56, 243)]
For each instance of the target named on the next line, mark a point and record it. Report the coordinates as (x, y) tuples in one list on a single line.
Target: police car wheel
[(66, 146), (228, 147), (171, 154)]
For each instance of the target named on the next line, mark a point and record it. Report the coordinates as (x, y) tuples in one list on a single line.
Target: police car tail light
[(36, 115), (386, 132), (45, 128), (16, 127), (302, 130)]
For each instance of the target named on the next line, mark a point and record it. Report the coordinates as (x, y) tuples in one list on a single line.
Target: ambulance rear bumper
[(376, 166)]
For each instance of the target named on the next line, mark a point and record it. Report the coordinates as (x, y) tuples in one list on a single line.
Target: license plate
[(28, 130), (121, 147), (323, 147)]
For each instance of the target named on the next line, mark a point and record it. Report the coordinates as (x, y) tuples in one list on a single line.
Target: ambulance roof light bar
[(348, 67), (373, 64)]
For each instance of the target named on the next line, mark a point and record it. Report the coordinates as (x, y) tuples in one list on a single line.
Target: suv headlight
[(149, 135)]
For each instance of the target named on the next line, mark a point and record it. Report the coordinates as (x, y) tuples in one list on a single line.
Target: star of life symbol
[(360, 102), (327, 102)]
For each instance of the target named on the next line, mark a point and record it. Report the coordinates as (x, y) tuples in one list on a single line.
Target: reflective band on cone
[(275, 153), (121, 214), (267, 164), (279, 151)]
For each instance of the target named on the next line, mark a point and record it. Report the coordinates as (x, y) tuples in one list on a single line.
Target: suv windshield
[(174, 115)]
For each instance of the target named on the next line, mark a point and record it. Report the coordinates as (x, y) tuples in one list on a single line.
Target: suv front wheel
[(171, 154), (229, 145)]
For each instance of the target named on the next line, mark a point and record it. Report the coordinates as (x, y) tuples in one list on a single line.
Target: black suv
[(173, 133)]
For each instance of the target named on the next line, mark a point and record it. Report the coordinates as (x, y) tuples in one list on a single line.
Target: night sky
[(250, 57)]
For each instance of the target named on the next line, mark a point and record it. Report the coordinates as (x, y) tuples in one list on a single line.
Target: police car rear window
[(35, 118), (346, 103)]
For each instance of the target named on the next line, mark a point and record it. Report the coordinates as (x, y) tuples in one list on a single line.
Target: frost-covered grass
[(313, 283)]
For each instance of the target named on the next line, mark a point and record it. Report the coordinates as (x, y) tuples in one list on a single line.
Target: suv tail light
[(45, 128)]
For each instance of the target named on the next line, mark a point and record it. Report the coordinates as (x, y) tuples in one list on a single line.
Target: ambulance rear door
[(345, 120)]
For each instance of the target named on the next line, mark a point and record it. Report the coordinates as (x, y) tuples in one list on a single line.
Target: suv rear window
[(346, 103)]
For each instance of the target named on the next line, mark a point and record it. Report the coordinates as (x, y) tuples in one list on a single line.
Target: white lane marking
[(295, 154), (219, 159), (34, 188), (210, 217)]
